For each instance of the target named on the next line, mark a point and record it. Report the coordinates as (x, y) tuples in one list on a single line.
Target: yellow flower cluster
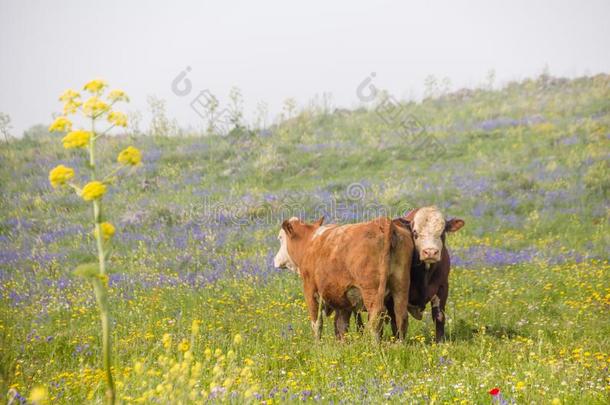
[(195, 326), (95, 86), (70, 100), (117, 118), (60, 175), (108, 230), (130, 156), (94, 107), (61, 124), (69, 95), (179, 373), (39, 396), (93, 191), (117, 95), (76, 139)]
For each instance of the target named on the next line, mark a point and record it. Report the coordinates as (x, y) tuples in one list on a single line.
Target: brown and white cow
[(350, 266), (431, 263)]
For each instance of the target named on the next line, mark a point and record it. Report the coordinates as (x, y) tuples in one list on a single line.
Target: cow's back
[(347, 256)]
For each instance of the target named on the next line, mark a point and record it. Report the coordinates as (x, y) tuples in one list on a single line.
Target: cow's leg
[(389, 306), (341, 322), (417, 293), (314, 307), (438, 302), (374, 305), (358, 319), (400, 297)]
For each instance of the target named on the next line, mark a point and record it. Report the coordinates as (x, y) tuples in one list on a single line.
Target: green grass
[(529, 292)]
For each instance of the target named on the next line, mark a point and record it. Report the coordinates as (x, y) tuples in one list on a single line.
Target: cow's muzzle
[(430, 255)]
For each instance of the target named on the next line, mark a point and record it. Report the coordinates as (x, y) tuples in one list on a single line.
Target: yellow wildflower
[(520, 386), (556, 401), (195, 326), (61, 124), (130, 156), (167, 340), (71, 106), (227, 382), (94, 107), (60, 175), (117, 118), (117, 95), (108, 230), (69, 95), (39, 395), (237, 339), (93, 190), (183, 346), (138, 367), (76, 139), (95, 86)]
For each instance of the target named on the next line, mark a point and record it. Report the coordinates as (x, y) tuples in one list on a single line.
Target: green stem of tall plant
[(99, 284)]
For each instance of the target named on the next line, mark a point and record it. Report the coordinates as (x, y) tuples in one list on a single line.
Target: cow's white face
[(428, 227), (282, 259)]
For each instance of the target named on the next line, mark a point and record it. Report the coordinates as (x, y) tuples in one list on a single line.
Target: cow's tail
[(386, 255)]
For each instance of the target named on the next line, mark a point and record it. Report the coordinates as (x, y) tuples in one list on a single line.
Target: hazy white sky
[(278, 49)]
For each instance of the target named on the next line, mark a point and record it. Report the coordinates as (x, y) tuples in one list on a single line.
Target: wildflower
[(494, 391), (556, 401), (207, 353), (117, 118), (76, 139), (94, 107), (69, 95), (520, 385), (60, 175), (237, 339), (188, 356), (70, 107), (167, 340), (61, 124), (138, 367), (117, 95), (130, 156), (93, 190), (108, 230), (38, 395), (195, 326), (183, 346), (95, 86)]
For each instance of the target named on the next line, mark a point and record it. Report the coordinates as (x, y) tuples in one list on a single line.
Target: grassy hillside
[(526, 167)]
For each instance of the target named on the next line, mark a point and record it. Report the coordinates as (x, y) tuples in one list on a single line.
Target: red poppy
[(494, 391)]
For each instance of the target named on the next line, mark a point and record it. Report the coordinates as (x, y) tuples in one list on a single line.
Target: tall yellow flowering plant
[(98, 107)]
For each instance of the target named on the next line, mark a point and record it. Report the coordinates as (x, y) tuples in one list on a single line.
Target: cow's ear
[(454, 225), (320, 221), (287, 227), (407, 223)]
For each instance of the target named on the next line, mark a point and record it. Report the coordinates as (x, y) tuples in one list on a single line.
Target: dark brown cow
[(349, 267), (431, 263)]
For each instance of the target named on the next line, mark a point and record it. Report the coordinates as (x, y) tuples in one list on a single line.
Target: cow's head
[(293, 237), (428, 227)]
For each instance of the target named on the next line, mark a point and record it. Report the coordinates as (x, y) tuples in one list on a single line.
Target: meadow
[(200, 314)]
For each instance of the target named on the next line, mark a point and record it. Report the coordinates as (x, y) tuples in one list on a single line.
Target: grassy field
[(199, 313)]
